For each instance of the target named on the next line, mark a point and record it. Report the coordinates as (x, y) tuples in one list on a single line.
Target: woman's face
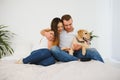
[(60, 27)]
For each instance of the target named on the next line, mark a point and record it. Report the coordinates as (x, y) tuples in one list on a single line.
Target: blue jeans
[(91, 53), (62, 55), (40, 57)]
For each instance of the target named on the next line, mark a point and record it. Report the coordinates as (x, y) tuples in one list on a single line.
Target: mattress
[(74, 70)]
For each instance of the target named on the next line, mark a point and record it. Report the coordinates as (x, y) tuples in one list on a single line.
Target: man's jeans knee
[(90, 53)]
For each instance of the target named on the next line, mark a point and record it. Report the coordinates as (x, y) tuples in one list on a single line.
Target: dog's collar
[(82, 41), (79, 40)]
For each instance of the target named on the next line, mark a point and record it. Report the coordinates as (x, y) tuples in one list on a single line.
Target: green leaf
[(92, 36), (5, 36)]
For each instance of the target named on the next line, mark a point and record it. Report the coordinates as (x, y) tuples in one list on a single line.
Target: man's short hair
[(66, 17)]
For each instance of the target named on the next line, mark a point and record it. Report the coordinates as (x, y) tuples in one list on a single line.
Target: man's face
[(68, 25)]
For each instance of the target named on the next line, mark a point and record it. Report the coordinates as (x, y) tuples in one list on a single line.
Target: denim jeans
[(40, 57), (62, 55), (90, 53)]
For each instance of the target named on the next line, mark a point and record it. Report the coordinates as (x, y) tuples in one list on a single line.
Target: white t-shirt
[(66, 38)]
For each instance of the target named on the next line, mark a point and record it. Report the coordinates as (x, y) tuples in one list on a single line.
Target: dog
[(82, 38)]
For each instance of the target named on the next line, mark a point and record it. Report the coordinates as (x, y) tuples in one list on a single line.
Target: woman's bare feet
[(19, 61)]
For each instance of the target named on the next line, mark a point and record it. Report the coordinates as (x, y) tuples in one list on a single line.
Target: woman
[(56, 29), (43, 56)]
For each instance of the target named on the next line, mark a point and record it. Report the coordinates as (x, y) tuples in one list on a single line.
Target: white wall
[(104, 27), (116, 29), (27, 17), (108, 23)]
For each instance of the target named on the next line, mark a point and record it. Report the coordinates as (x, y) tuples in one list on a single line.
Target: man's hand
[(65, 49), (76, 47)]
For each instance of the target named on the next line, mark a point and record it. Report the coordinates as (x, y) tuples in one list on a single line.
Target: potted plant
[(92, 36), (5, 37)]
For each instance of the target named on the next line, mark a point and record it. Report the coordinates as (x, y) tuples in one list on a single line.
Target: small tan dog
[(82, 38)]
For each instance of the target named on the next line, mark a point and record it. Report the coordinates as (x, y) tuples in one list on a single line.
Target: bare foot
[(19, 61)]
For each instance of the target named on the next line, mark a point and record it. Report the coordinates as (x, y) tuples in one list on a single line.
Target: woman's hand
[(49, 35)]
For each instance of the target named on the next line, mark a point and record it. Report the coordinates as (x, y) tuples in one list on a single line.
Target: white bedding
[(73, 70)]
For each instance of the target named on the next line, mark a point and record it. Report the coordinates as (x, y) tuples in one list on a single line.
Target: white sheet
[(73, 70)]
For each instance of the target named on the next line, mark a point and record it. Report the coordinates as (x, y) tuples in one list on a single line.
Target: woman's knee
[(39, 50), (42, 52)]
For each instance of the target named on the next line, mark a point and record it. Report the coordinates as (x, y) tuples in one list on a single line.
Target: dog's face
[(84, 34)]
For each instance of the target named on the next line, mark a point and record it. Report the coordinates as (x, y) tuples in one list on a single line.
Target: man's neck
[(70, 31)]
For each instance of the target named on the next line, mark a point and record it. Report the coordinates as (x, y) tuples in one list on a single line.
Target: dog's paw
[(83, 52), (71, 52)]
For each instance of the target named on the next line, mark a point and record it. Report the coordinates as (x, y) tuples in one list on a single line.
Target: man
[(66, 38)]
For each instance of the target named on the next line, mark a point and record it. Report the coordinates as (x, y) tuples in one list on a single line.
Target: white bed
[(74, 70)]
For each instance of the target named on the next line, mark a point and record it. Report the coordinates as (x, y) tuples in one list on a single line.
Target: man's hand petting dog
[(81, 41), (69, 50)]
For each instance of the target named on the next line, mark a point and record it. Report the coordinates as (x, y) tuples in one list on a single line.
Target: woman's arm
[(48, 34), (44, 32)]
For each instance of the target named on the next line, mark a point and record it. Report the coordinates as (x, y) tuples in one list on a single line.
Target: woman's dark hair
[(54, 27)]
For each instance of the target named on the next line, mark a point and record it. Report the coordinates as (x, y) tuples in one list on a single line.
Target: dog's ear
[(80, 33)]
